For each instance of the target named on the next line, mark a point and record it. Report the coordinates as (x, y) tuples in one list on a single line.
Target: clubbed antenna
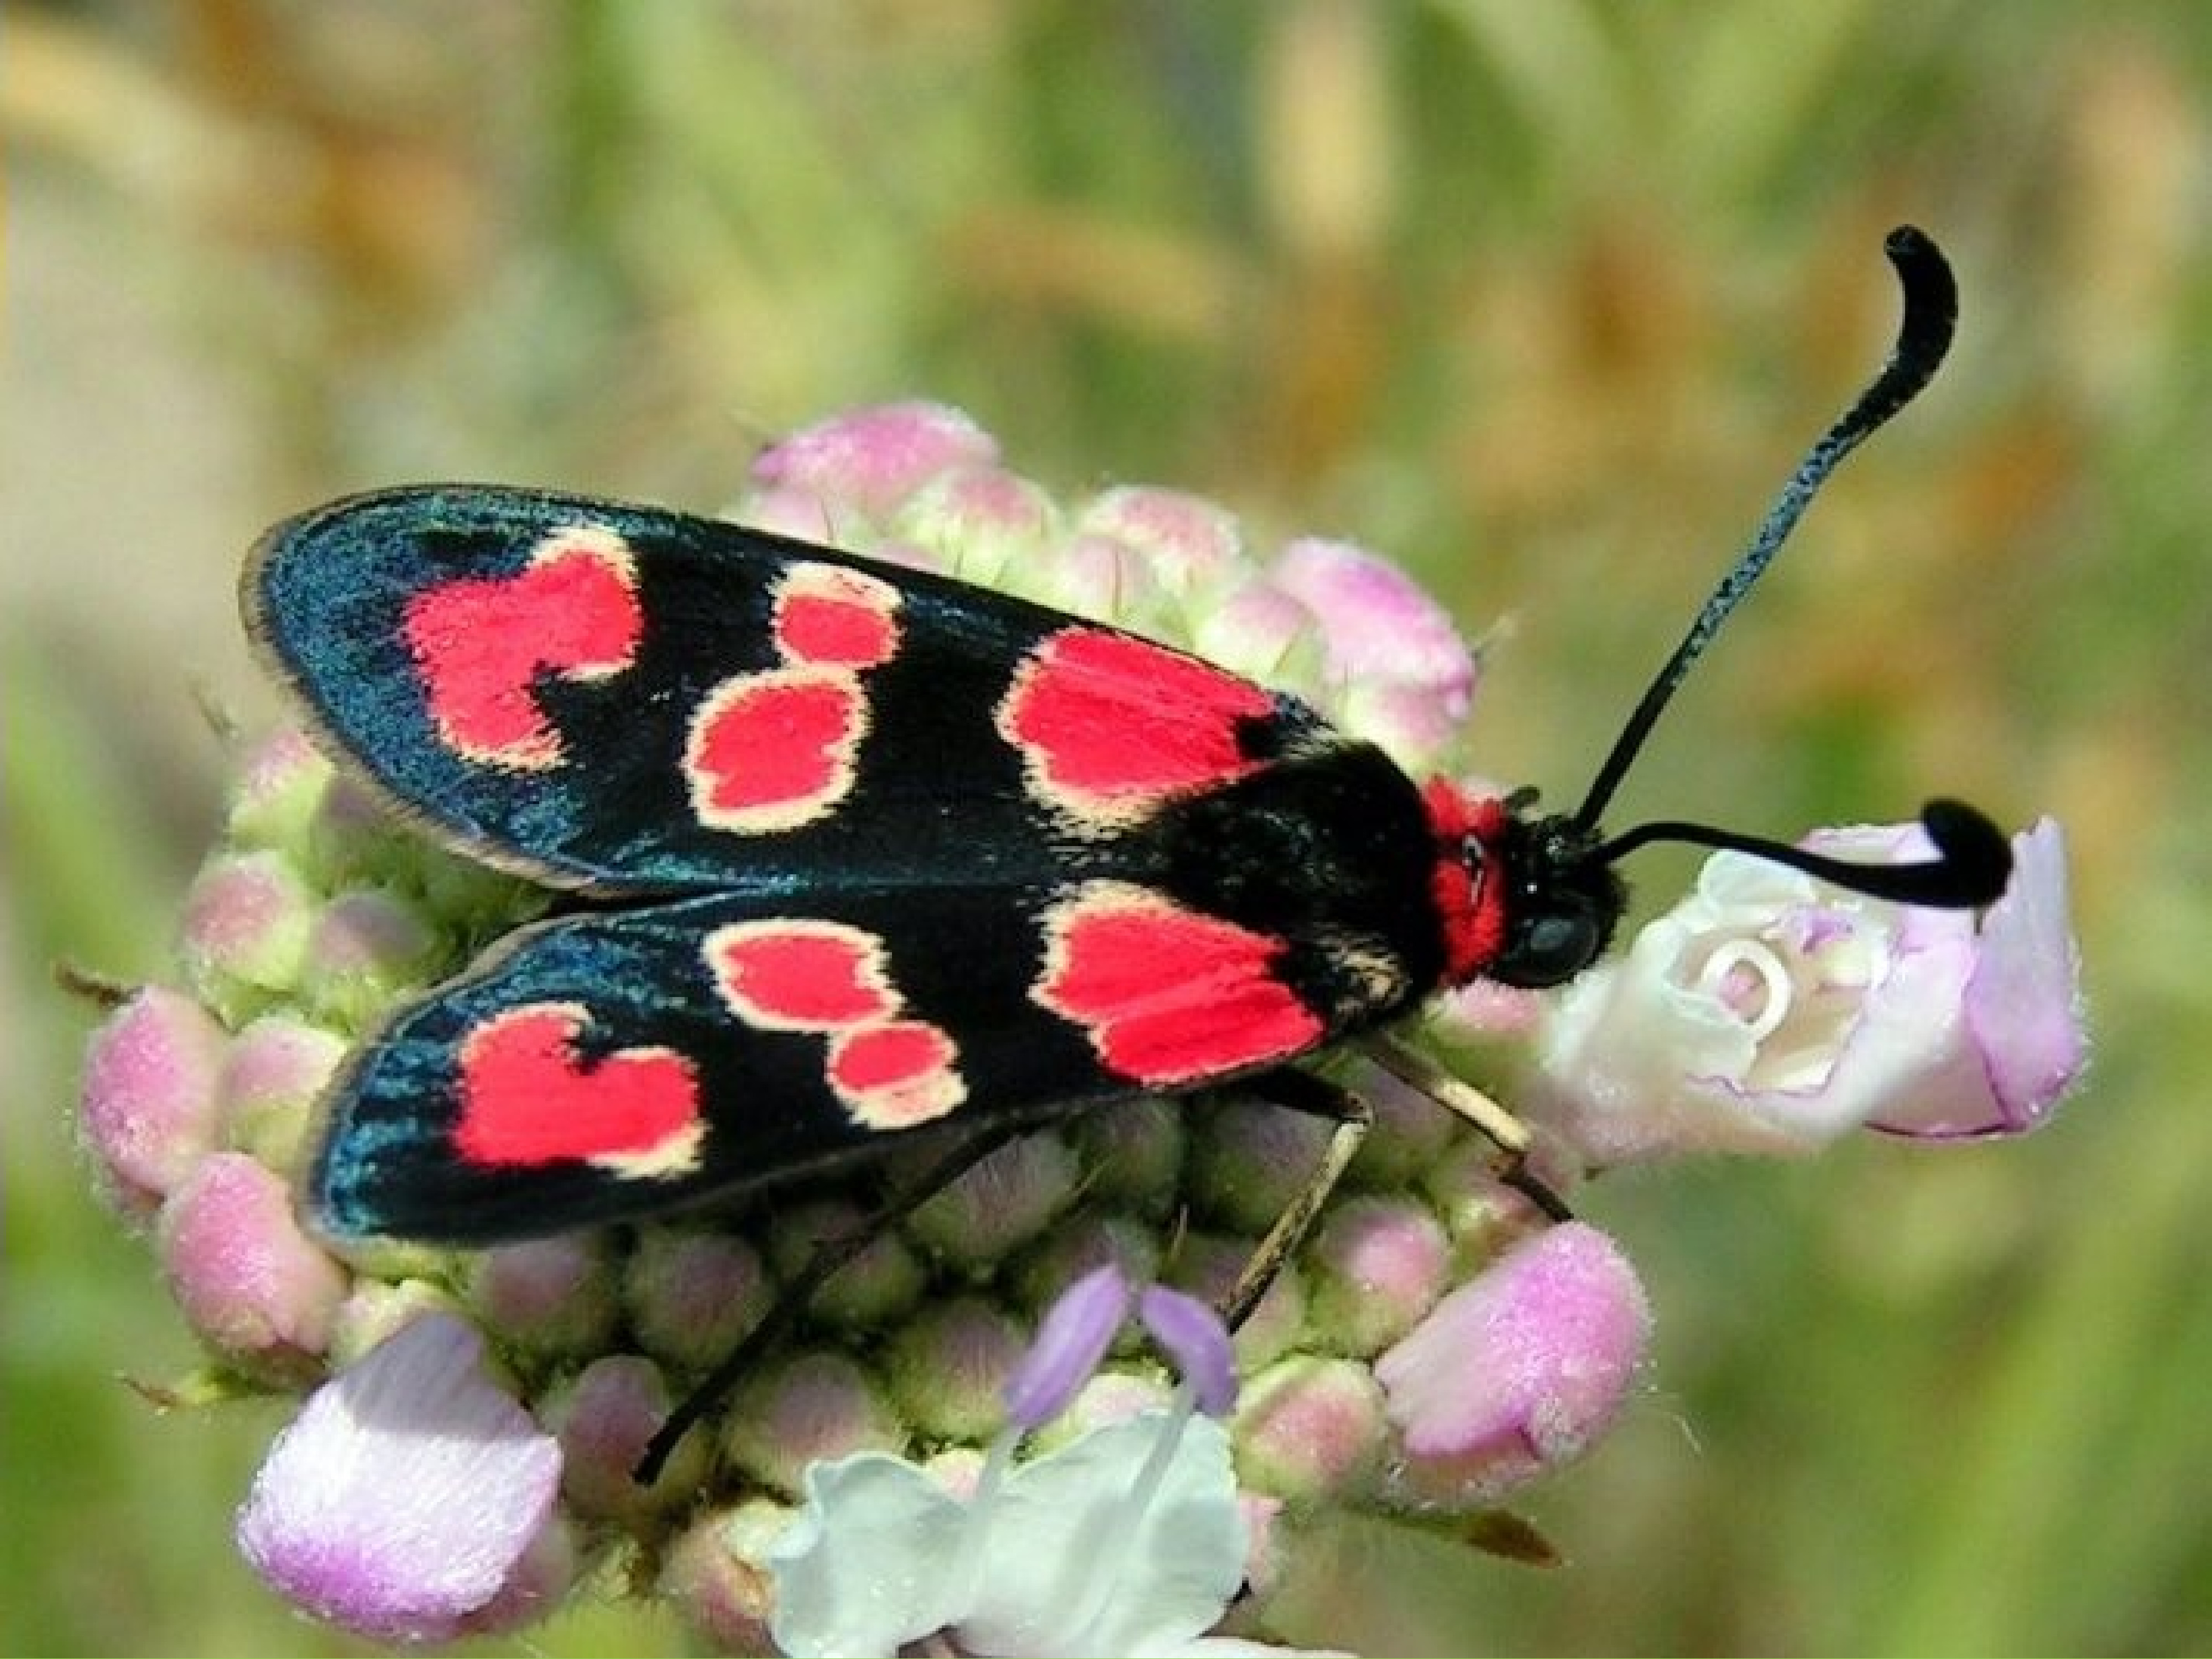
[(1923, 336)]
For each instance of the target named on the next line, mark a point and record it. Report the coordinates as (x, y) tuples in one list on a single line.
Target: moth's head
[(1531, 899), (1545, 901)]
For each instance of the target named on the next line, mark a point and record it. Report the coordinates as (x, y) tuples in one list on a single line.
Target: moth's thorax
[(1469, 898), (1522, 899)]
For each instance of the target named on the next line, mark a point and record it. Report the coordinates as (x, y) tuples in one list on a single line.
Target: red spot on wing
[(481, 643), (807, 973), (800, 974), (773, 751), (1109, 725), (529, 1098), (1169, 996), (897, 1074), (837, 617)]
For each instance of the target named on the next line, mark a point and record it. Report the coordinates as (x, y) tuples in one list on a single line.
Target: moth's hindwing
[(866, 848)]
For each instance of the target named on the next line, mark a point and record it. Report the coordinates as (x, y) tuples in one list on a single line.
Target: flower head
[(961, 1431)]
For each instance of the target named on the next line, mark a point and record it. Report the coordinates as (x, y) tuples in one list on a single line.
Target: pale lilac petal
[(1095, 1573), (1190, 1333), (407, 1491), (2026, 1038), (1071, 1339), (1771, 1012), (1520, 1371)]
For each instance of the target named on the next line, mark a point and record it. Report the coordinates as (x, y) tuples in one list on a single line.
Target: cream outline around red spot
[(866, 599), (1180, 697), (869, 976), (919, 1096), (1248, 1000), (675, 1151), (779, 814), (540, 750), (926, 1094)]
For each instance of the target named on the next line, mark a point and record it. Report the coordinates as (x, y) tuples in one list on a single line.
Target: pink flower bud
[(247, 922), (873, 458), (1311, 1428), (278, 791), (604, 1417), (693, 1296), (1208, 1264), (1416, 724), (272, 1076), (713, 1576), (253, 1285), (1092, 576), (1261, 632), (1519, 1372), (1085, 1241), (1187, 542), (1250, 1160), (815, 1408), (875, 1285), (1378, 621), (149, 1106), (791, 510), (983, 524), (1001, 1204), (408, 1494), (548, 1295), (1411, 1131), (947, 1366), (1374, 1267), (1131, 1153), (365, 948)]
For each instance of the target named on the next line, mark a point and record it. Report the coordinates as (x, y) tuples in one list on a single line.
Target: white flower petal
[(870, 1562), (1074, 1571)]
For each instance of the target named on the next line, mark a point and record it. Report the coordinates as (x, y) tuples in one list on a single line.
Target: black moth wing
[(935, 789), (1044, 865)]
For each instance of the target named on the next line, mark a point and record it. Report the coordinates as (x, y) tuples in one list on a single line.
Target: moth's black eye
[(1551, 947)]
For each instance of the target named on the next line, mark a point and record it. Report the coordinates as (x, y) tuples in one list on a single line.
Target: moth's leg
[(1298, 1091), (1463, 1099), (829, 1255)]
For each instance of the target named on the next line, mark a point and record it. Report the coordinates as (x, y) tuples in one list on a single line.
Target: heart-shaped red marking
[(1168, 996), (528, 1098), (481, 643)]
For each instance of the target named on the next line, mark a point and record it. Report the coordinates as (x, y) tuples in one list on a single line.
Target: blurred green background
[(1540, 298)]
